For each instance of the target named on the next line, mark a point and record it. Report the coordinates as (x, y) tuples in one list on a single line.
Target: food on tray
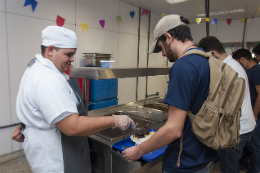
[(142, 132), (142, 135), (138, 141)]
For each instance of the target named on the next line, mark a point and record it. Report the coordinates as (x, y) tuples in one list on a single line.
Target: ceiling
[(189, 9)]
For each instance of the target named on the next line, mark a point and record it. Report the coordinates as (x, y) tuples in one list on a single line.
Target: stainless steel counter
[(110, 73), (106, 159)]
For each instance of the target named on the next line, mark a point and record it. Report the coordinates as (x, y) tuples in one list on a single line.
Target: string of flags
[(60, 21), (84, 26), (214, 21)]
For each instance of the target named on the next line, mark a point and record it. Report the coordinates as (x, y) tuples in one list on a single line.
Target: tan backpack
[(217, 123)]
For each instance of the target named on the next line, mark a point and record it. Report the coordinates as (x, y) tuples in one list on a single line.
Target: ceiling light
[(175, 1), (223, 12)]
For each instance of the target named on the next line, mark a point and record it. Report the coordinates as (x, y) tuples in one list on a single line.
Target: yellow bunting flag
[(243, 20), (198, 20), (163, 14), (248, 20), (84, 26), (258, 10), (118, 19), (207, 19)]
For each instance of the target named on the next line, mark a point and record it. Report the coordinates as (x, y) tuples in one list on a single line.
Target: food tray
[(147, 157)]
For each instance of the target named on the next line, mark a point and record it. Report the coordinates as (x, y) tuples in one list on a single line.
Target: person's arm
[(17, 135), (171, 131), (257, 102), (75, 125)]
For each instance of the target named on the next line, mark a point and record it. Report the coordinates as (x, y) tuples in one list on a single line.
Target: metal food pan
[(112, 134), (96, 55), (95, 61)]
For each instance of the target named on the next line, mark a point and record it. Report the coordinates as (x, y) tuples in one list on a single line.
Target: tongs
[(134, 128)]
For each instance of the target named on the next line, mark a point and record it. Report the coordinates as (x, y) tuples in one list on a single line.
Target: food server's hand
[(123, 122), (17, 135)]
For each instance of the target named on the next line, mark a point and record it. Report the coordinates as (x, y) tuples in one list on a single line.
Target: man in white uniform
[(229, 157), (47, 104)]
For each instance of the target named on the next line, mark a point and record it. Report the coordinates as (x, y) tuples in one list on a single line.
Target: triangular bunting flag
[(198, 20), (60, 21), (102, 23), (118, 19), (248, 20), (33, 3), (253, 16), (132, 14), (145, 12), (243, 20), (163, 14), (258, 10), (229, 21), (84, 26), (207, 19), (214, 21)]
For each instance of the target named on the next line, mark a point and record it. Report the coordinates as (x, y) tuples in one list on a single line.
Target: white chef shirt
[(44, 98), (247, 120)]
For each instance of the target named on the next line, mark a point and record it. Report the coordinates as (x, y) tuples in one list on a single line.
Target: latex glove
[(123, 122)]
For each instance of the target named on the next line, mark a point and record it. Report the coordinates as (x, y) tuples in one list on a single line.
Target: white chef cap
[(59, 37)]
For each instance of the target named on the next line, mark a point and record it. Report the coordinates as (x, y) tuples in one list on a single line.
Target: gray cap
[(165, 24)]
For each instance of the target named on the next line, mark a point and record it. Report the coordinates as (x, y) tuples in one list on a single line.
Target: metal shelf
[(110, 73)]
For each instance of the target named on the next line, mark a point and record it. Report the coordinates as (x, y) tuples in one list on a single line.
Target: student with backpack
[(229, 157), (252, 148), (188, 88)]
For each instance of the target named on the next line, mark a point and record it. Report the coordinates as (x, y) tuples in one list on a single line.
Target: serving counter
[(105, 158)]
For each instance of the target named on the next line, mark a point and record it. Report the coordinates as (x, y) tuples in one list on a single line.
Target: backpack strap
[(197, 52), (190, 52), (179, 157)]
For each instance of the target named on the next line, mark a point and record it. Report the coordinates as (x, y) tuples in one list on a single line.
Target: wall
[(20, 40)]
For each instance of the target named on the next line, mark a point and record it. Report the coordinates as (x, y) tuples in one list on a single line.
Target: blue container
[(147, 157), (103, 104), (100, 90)]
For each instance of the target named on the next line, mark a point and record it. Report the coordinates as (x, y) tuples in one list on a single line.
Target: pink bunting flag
[(145, 12), (102, 23), (253, 16), (60, 21), (236, 48), (229, 21)]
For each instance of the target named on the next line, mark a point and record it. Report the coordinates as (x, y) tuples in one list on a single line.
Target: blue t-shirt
[(253, 75), (188, 89)]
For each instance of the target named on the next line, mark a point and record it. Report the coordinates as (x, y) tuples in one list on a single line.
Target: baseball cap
[(59, 37), (165, 24)]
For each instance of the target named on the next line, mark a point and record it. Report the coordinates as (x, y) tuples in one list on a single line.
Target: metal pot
[(93, 59)]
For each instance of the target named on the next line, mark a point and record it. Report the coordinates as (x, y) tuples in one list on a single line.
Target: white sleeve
[(55, 99)]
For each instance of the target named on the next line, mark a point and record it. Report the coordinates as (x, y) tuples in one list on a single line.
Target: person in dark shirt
[(229, 157), (188, 88), (244, 57), (256, 52)]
